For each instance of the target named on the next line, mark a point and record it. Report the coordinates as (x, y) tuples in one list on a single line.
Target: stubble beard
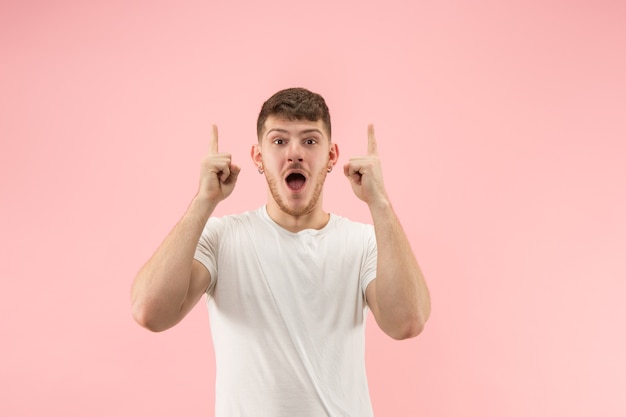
[(274, 187)]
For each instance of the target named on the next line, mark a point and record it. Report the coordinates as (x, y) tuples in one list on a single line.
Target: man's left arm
[(398, 297)]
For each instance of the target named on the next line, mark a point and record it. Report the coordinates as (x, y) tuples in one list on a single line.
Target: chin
[(295, 211), (298, 206)]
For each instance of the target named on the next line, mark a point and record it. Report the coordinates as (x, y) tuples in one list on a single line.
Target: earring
[(260, 169), (330, 168)]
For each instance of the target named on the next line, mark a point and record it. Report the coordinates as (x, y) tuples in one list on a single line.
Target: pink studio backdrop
[(502, 131)]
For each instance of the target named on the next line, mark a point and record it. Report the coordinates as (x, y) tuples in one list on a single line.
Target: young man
[(288, 284)]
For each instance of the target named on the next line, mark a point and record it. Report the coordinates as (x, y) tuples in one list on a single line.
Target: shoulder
[(233, 224), (353, 233), (251, 216), (345, 224)]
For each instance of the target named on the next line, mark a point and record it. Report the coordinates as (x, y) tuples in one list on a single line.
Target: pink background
[(502, 131)]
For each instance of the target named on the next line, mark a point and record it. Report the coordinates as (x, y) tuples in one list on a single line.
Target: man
[(288, 285)]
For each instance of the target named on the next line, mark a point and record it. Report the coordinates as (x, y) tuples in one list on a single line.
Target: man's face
[(295, 156)]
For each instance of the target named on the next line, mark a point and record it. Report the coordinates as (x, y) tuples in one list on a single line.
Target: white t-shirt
[(287, 313)]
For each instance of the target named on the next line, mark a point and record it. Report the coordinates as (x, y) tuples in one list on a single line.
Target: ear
[(333, 154), (255, 154)]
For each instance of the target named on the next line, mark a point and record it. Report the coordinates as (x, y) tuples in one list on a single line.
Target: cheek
[(272, 160)]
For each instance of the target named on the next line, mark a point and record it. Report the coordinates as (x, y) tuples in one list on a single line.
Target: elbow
[(407, 331), (145, 317), (412, 326)]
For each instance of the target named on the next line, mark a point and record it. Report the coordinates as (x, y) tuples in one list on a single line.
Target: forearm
[(162, 285), (402, 297)]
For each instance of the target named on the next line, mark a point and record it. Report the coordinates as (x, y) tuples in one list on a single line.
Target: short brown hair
[(294, 104)]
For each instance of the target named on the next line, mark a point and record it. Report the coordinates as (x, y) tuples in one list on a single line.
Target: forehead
[(275, 124)]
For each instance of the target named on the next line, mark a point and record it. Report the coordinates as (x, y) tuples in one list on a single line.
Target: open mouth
[(295, 181)]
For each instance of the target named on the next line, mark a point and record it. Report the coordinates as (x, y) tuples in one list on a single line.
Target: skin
[(295, 146), (172, 282), (398, 297)]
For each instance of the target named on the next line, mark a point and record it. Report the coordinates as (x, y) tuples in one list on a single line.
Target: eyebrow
[(304, 132)]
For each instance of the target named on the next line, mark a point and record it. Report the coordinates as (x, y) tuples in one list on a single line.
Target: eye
[(278, 141), (310, 141)]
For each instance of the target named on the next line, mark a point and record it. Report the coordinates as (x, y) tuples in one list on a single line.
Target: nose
[(294, 152)]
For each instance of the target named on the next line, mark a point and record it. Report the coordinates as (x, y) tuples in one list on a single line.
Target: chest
[(305, 277)]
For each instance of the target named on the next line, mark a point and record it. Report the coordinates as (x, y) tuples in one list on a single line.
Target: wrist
[(379, 205), (202, 206)]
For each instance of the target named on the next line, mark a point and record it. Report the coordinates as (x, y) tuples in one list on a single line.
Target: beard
[(274, 185)]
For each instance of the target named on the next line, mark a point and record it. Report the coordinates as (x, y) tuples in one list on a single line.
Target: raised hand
[(218, 174), (365, 173)]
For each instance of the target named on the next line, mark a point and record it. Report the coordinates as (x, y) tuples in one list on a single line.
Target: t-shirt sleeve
[(206, 251), (368, 270)]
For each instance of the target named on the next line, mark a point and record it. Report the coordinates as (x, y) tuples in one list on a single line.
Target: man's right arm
[(172, 281)]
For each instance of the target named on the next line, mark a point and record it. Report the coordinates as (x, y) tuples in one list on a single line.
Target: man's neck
[(316, 219)]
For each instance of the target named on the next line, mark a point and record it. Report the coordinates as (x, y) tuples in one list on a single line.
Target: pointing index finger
[(372, 148), (213, 140)]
